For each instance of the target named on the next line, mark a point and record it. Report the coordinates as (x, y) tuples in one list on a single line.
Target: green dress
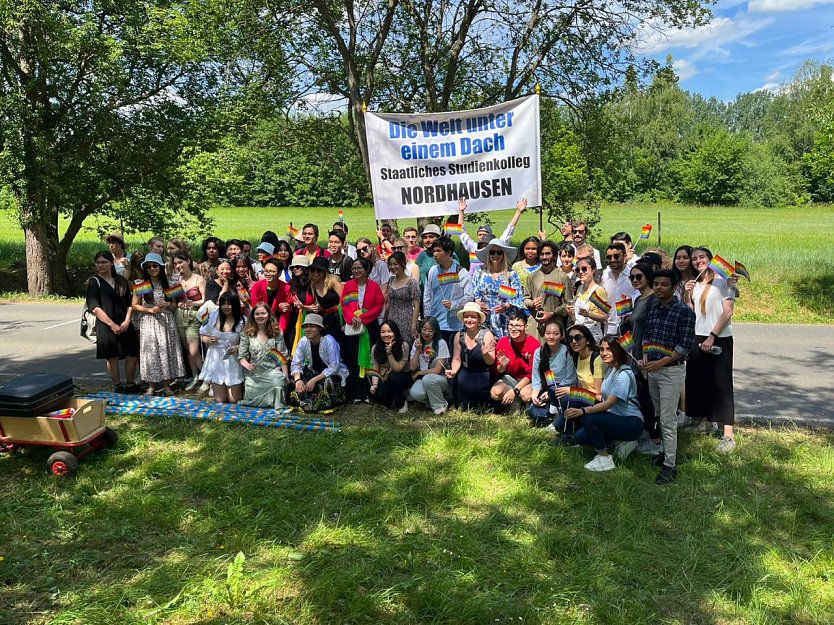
[(265, 387)]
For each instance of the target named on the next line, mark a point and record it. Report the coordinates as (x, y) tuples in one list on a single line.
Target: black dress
[(329, 311), (109, 344), (473, 381)]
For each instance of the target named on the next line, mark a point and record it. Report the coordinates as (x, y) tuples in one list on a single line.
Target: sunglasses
[(496, 253), (582, 269), (316, 270), (614, 257), (362, 250), (398, 248), (575, 338), (636, 277)]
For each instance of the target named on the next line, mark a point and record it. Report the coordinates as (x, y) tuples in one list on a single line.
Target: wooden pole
[(659, 231)]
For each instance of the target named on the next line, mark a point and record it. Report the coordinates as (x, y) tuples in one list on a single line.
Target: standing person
[(386, 240), (160, 356), (497, 288), (318, 373), (213, 251), (349, 249), (484, 232), (630, 256), (668, 338), (244, 279), (585, 310), (617, 417), (403, 297), (233, 248), (429, 355), (411, 237), (529, 251), (246, 249), (362, 304), (617, 284), (379, 268), (284, 253), (390, 379), (223, 281), (339, 263), (514, 363), (221, 335), (327, 292), (109, 299), (474, 354), (275, 292), (682, 265), (547, 293), (566, 258), (116, 244), (447, 288), (411, 268), (553, 375), (300, 301), (709, 375), (173, 247), (156, 245), (266, 372), (188, 323), (582, 249), (134, 268), (425, 260), (310, 238)]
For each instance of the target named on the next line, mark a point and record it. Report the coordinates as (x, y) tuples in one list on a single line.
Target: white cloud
[(773, 76), (684, 69), (773, 87), (710, 38), (782, 6), (809, 48)]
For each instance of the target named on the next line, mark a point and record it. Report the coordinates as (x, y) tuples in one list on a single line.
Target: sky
[(748, 45)]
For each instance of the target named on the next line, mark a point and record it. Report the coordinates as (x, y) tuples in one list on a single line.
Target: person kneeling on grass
[(263, 355), (617, 417), (553, 375), (221, 335), (318, 373), (514, 363)]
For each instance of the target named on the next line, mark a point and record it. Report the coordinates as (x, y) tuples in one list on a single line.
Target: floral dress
[(401, 303), (488, 289), (160, 354)]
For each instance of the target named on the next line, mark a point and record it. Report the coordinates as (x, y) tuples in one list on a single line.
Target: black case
[(34, 394)]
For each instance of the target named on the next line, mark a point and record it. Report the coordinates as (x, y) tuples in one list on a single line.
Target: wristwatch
[(516, 391)]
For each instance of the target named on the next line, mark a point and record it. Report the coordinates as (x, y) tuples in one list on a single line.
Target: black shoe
[(667, 475), (563, 440), (658, 460), (133, 389), (120, 388)]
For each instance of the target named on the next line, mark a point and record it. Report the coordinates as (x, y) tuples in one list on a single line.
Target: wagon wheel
[(62, 463), (110, 438)]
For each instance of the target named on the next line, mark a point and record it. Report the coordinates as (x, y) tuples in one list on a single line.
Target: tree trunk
[(46, 266)]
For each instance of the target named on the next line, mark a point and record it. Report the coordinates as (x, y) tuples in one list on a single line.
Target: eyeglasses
[(399, 248), (636, 277), (362, 250), (614, 257), (582, 269), (269, 272), (515, 327), (575, 338), (579, 231), (496, 253)]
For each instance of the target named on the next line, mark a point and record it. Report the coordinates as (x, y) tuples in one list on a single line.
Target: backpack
[(462, 339), (88, 321)]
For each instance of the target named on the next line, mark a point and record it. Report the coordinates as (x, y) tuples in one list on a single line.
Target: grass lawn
[(787, 250), (460, 519)]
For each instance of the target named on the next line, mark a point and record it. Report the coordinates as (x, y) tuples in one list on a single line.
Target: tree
[(98, 100), (714, 172)]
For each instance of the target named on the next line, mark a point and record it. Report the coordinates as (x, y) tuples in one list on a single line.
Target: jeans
[(665, 386), (542, 415), (601, 428)]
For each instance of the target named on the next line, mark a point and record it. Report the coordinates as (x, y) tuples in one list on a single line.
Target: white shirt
[(616, 288)]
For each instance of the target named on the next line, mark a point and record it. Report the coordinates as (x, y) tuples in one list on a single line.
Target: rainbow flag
[(275, 355), (204, 317), (507, 292), (722, 267), (175, 292), (292, 232), (142, 287), (624, 306), (243, 294), (600, 303), (473, 257), (626, 340), (342, 216), (553, 288), (579, 395), (742, 271), (550, 378), (646, 232), (450, 277), (656, 348), (430, 352), (65, 413), (351, 297), (453, 229)]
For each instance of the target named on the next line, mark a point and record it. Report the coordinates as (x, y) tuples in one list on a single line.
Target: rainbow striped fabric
[(342, 216), (722, 267), (275, 355), (450, 277), (650, 347), (141, 287), (453, 229), (583, 396), (292, 232), (624, 306), (646, 232), (507, 292), (174, 292), (626, 340), (351, 297), (553, 288), (600, 303), (473, 257), (430, 352), (550, 378)]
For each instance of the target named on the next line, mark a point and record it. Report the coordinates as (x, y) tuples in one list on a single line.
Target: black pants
[(391, 392), (357, 388), (709, 382)]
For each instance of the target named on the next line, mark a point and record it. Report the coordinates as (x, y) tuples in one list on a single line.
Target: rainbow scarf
[(453, 229), (626, 340), (450, 277), (276, 356), (624, 306), (646, 232), (583, 396), (600, 303), (507, 292), (175, 292), (650, 347), (553, 288), (550, 378), (142, 287), (722, 267)]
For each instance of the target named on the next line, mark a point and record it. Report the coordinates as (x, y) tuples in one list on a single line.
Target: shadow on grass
[(460, 520), (816, 290)]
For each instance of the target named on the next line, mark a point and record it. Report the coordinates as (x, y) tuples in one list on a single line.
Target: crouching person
[(318, 373)]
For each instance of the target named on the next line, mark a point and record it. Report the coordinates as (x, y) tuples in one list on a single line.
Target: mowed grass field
[(787, 250)]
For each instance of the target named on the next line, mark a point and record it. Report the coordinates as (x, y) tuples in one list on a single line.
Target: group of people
[(614, 358)]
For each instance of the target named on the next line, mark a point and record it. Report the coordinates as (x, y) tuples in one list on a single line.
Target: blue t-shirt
[(621, 384)]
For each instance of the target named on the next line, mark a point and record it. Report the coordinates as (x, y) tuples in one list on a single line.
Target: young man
[(311, 248), (349, 249), (616, 283), (667, 339), (540, 295), (425, 260), (579, 232), (411, 237), (514, 363), (339, 263), (448, 288), (386, 240), (625, 239)]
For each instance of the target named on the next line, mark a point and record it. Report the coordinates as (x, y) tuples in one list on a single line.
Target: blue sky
[(748, 45)]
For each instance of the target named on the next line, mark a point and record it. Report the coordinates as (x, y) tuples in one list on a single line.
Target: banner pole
[(659, 231)]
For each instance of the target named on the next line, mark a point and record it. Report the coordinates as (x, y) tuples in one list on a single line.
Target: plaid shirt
[(671, 325)]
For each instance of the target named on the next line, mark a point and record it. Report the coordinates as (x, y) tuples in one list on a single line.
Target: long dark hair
[(396, 348), (119, 283), (617, 350), (247, 262), (545, 354), (234, 301), (163, 280), (688, 250)]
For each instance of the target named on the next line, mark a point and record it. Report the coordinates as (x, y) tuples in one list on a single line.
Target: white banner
[(422, 164)]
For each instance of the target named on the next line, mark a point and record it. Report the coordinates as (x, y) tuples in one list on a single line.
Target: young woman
[(590, 369), (514, 363), (109, 299), (529, 250), (221, 335), (379, 268), (617, 417), (156, 245), (266, 373), (188, 323), (301, 300), (709, 376), (474, 354), (213, 251), (403, 297), (160, 355), (411, 268), (275, 292), (583, 311), (244, 279), (116, 244), (173, 247), (497, 302), (133, 270), (362, 304), (549, 398), (284, 252), (566, 256), (390, 380), (327, 291), (427, 362), (318, 372), (223, 282), (682, 265)]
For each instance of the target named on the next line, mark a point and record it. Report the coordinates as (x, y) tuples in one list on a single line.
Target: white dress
[(220, 366)]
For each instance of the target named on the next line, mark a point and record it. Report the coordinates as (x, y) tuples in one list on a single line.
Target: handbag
[(349, 330), (88, 321)]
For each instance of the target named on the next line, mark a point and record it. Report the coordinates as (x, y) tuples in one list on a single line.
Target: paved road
[(783, 373)]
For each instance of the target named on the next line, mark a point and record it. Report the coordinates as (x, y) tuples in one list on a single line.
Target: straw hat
[(471, 307), (300, 260), (118, 236), (509, 252)]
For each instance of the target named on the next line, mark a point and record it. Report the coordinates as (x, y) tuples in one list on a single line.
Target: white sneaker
[(192, 385), (404, 409), (551, 428), (727, 444), (204, 388), (601, 463), (649, 447), (623, 449), (441, 410)]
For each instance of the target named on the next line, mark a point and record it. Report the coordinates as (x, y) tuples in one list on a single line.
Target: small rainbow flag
[(507, 292), (342, 216), (742, 271), (243, 294), (64, 413), (626, 340), (550, 378), (450, 277), (553, 288), (722, 267), (579, 395), (473, 257), (204, 317), (646, 232), (141, 287), (600, 303), (351, 297), (275, 355), (453, 229), (175, 292), (650, 347), (624, 306), (430, 352), (292, 232)]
